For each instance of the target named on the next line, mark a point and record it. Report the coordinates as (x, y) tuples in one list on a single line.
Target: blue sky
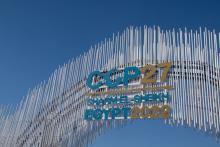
[(38, 36)]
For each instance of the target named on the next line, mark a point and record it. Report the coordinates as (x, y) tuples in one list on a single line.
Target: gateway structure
[(53, 113)]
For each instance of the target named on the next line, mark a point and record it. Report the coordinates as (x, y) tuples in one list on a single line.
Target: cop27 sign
[(129, 93)]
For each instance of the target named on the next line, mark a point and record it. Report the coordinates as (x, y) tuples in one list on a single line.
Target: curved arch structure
[(52, 113)]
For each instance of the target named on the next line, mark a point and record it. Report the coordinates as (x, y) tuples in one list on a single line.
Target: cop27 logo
[(96, 79), (119, 104)]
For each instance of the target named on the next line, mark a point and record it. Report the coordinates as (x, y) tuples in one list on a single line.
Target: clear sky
[(36, 36)]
